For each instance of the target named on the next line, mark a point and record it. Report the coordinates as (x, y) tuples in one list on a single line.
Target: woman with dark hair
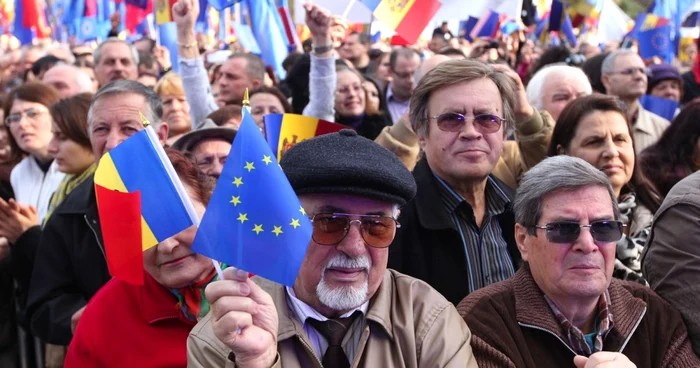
[(376, 103), (594, 128), (267, 100), (592, 68), (28, 123), (378, 68), (677, 153), (151, 321)]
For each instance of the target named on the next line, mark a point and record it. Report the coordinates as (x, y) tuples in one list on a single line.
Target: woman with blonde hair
[(176, 109)]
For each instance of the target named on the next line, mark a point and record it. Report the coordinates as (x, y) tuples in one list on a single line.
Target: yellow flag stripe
[(301, 127), (392, 12)]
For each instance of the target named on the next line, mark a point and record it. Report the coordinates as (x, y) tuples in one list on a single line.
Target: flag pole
[(347, 9)]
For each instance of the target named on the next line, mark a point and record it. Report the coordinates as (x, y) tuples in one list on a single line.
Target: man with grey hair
[(68, 80), (345, 309), (624, 75), (115, 59), (457, 233), (563, 306), (553, 86), (403, 64), (70, 261)]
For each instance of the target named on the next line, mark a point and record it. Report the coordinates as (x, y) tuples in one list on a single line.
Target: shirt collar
[(496, 199), (303, 311)]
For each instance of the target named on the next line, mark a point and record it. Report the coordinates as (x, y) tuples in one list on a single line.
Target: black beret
[(345, 163)]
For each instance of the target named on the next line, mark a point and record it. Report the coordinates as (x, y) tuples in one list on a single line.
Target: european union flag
[(254, 220), (655, 42), (660, 106), (89, 28)]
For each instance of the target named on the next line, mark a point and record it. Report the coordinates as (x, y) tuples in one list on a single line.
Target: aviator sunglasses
[(331, 228), (564, 232), (454, 122)]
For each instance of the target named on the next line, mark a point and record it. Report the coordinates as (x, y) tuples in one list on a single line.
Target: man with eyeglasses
[(403, 63), (624, 75), (345, 309), (563, 306), (458, 231)]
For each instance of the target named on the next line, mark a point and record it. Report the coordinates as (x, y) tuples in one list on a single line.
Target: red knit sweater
[(130, 326)]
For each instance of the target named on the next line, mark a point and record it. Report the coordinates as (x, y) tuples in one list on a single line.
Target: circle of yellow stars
[(243, 217)]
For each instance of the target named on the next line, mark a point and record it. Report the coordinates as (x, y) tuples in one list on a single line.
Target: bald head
[(68, 80), (430, 64)]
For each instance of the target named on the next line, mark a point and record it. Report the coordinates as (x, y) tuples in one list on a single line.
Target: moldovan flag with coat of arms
[(407, 17), (140, 201), (164, 11)]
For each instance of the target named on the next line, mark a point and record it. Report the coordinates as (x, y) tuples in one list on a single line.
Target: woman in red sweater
[(147, 326)]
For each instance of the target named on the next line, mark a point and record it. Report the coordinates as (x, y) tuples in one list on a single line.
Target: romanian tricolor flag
[(140, 165), (407, 17), (164, 11), (282, 131)]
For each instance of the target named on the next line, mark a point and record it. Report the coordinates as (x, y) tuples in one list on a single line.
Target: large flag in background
[(407, 17), (23, 34), (269, 32), (33, 17), (254, 220), (90, 28), (139, 164), (220, 5), (168, 38), (487, 26), (282, 131), (245, 37)]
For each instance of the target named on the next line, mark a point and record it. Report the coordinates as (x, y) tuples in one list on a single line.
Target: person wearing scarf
[(147, 325)]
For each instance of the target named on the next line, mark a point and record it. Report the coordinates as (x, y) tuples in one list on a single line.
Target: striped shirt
[(303, 311), (488, 260)]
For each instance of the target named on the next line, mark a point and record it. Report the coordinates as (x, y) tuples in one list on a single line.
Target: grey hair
[(553, 174), (27, 48), (81, 79), (535, 90), (154, 107), (63, 47), (454, 72), (608, 66), (98, 50)]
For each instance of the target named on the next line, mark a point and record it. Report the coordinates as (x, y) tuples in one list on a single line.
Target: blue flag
[(220, 5), (660, 106), (568, 30), (246, 38), (467, 26), (556, 15), (268, 30), (143, 4), (23, 34), (254, 220), (168, 38), (89, 28), (655, 42)]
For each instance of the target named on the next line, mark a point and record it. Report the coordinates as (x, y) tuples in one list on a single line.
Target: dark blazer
[(69, 268), (428, 245)]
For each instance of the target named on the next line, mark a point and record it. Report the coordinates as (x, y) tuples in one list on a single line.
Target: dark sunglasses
[(454, 122), (331, 228), (565, 232)]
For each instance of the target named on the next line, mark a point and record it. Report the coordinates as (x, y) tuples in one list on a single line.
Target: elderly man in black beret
[(346, 308)]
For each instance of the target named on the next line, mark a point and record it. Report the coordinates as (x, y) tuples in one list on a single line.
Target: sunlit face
[(557, 92), (33, 132), (210, 155), (71, 157), (116, 63), (262, 104), (323, 276), (372, 95), (603, 140), (629, 79), (233, 81), (352, 49), (581, 270), (172, 263), (349, 94), (467, 154), (669, 89), (176, 113), (114, 119)]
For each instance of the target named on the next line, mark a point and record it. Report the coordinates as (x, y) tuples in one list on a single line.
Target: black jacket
[(691, 89), (371, 125), (70, 266), (428, 245)]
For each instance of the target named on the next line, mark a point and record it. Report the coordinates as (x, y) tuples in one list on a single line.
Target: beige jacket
[(529, 148), (647, 129), (408, 324)]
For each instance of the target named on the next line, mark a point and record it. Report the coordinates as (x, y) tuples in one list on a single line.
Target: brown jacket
[(671, 258), (529, 148), (408, 324), (513, 326), (647, 129)]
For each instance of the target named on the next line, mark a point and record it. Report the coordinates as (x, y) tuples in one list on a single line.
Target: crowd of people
[(517, 206)]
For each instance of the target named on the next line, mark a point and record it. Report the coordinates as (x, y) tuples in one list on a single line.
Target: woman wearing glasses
[(594, 128), (28, 123)]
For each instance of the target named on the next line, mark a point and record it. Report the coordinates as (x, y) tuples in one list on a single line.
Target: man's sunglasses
[(331, 228), (565, 232), (454, 122)]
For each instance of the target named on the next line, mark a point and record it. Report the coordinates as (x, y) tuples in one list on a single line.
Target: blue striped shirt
[(488, 260)]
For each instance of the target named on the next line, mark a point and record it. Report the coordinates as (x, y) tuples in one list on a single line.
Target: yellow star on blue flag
[(255, 233)]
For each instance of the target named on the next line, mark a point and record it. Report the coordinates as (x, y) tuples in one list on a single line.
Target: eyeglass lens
[(331, 229), (568, 232)]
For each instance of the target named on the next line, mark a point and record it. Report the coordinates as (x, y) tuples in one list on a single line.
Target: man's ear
[(560, 150), (163, 132), (520, 239), (605, 79), (257, 83)]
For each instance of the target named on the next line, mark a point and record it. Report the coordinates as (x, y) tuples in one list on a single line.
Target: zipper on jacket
[(97, 239), (644, 312), (310, 350), (549, 332)]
